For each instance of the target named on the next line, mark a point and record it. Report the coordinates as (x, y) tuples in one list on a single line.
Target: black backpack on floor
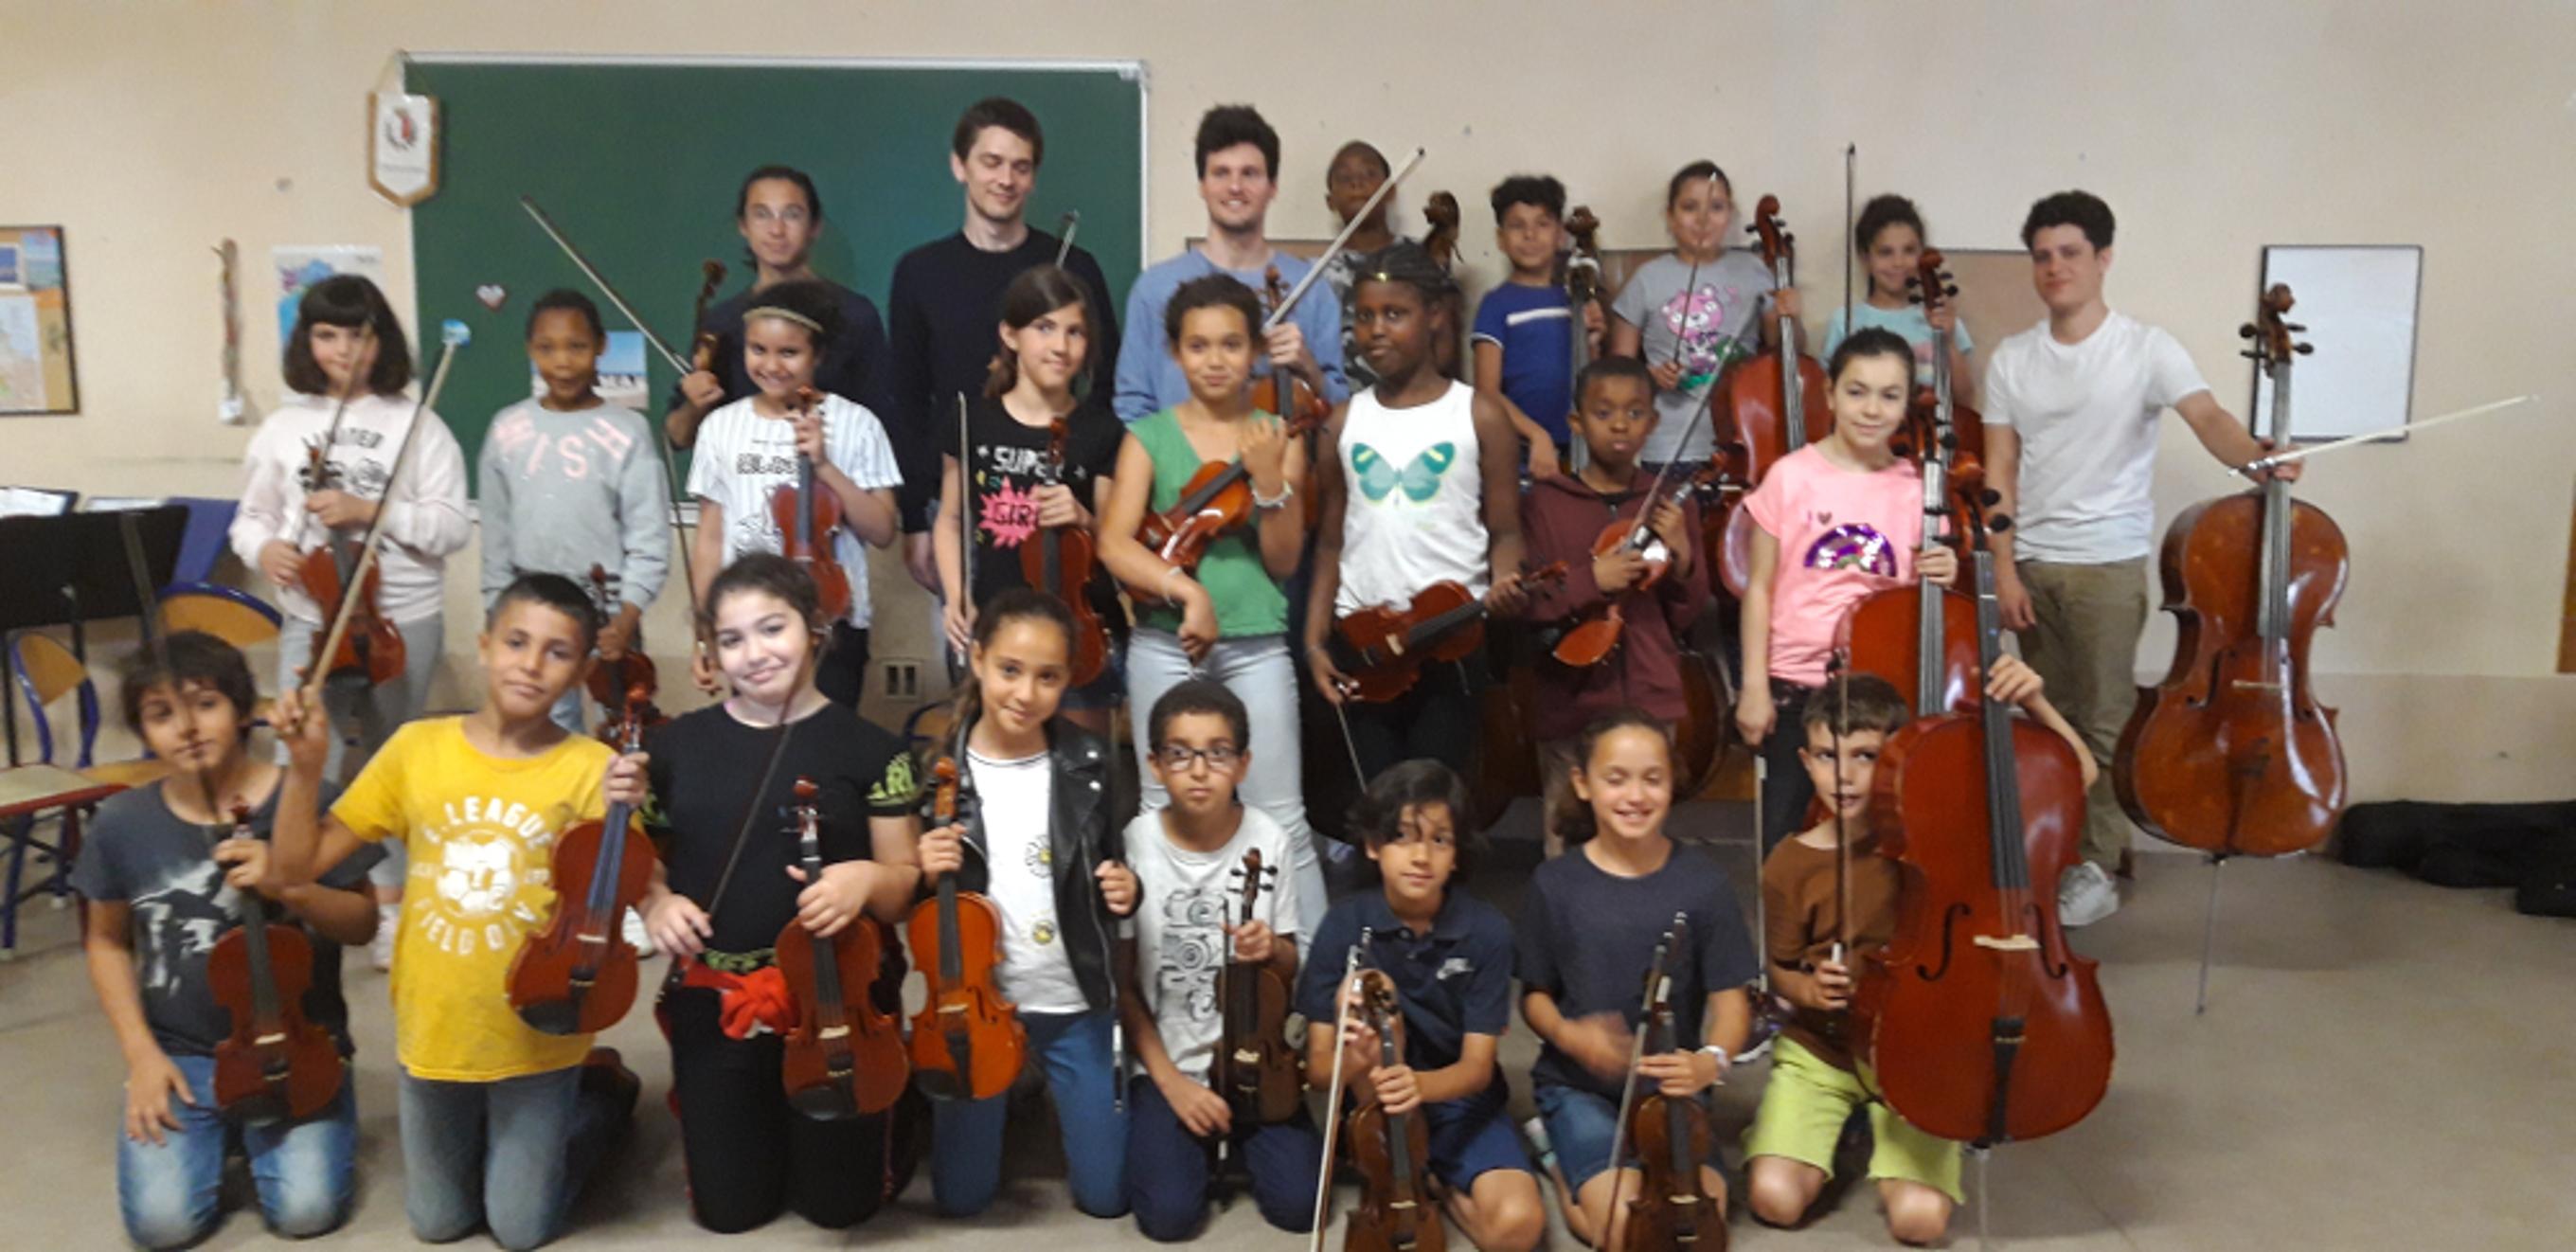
[(2528, 847)]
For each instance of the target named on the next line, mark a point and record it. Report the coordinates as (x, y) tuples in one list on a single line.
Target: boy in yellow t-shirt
[(499, 1122)]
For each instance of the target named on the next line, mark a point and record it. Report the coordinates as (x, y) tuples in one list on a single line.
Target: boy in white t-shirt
[(1190, 863), (2071, 427)]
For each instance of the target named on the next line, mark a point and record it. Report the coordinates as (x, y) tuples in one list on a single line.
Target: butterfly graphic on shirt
[(1420, 477), (1853, 546)]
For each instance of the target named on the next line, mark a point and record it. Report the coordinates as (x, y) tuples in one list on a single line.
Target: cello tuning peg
[(2294, 328), (1990, 497), (2245, 331), (2303, 349), (1998, 524), (1950, 289)]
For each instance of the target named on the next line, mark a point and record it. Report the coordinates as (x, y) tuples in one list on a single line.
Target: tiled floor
[(2383, 1065)]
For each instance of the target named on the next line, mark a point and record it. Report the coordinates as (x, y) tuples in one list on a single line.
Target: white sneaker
[(380, 952), (1540, 1148), (636, 936), (2086, 895)]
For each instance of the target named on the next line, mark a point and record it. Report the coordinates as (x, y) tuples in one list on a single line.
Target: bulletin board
[(2357, 303), (36, 374)]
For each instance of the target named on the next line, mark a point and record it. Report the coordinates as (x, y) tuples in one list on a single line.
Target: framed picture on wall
[(2357, 305), (36, 372)]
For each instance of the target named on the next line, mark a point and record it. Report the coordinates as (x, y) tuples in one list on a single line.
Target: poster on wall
[(36, 374), (298, 267), (620, 370)]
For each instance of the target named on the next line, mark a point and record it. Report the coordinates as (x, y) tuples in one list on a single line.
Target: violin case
[(2528, 847)]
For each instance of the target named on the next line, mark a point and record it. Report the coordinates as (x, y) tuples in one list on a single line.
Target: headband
[(784, 315)]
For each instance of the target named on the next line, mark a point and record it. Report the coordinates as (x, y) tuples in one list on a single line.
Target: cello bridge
[(832, 1032), (267, 1041), (2007, 943), (2244, 684)]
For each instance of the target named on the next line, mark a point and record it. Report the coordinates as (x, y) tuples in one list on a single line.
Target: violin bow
[(1851, 162), (1333, 1096), (1841, 665), (1069, 223), (965, 510), (2263, 464), (452, 334), (147, 613), (1655, 977), (1340, 241)]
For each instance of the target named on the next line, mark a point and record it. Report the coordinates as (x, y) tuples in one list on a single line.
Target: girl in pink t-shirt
[(1836, 520)]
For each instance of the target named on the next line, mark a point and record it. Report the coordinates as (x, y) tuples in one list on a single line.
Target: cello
[(578, 975), (967, 1041), (1262, 1079), (1982, 1026), (1923, 639), (1381, 649), (2231, 753), (806, 518), (1934, 291), (844, 1056), (275, 1065), (1392, 1151), (1669, 1135), (1776, 402), (623, 688), (1059, 560)]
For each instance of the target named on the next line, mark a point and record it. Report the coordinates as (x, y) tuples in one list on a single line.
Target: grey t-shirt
[(1713, 325), (140, 854)]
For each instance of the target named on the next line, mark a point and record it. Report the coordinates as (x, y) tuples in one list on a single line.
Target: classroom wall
[(2212, 128)]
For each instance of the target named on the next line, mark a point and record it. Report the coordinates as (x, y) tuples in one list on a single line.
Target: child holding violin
[(1418, 483), (317, 471), (1450, 958), (724, 890), (1031, 415), (1189, 860), (501, 1124), (1836, 520), (1816, 1083), (1588, 934), (751, 448), (1563, 519), (1694, 311), (1044, 851), (1227, 617), (1521, 339), (571, 483), (156, 904), (1889, 237)]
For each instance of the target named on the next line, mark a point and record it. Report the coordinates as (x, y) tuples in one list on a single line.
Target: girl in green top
[(1228, 620)]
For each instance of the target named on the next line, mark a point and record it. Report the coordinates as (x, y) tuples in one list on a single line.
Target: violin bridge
[(2008, 943), (266, 1041), (833, 1032)]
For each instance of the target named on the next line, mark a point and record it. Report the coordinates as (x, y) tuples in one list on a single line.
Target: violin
[(844, 1056), (373, 648), (1923, 639), (1595, 632), (967, 1041), (578, 975), (1966, 427), (1776, 401), (1381, 649), (276, 1065), (1981, 1024), (1392, 1151), (1440, 213), (1216, 499), (624, 687), (707, 348), (806, 519), (2231, 753), (1059, 560), (1262, 1079), (1299, 400), (1669, 1136)]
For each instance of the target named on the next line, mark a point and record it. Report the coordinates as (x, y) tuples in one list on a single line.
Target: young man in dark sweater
[(946, 304)]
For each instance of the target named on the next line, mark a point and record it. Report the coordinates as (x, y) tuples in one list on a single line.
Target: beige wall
[(2213, 128)]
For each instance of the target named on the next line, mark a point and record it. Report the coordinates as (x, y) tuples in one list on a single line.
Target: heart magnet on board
[(493, 296)]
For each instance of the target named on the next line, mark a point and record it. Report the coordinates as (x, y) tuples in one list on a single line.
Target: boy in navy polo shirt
[(1450, 956), (1524, 352)]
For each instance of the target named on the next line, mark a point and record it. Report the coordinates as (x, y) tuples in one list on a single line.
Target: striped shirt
[(742, 456)]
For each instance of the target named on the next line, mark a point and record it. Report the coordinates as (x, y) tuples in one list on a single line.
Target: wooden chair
[(236, 617)]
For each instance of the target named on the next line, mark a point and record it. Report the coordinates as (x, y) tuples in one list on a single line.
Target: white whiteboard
[(2358, 305)]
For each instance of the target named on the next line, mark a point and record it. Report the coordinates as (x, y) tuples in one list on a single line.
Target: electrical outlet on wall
[(902, 679)]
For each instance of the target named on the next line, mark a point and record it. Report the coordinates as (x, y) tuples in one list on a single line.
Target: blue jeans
[(509, 1155), (1082, 1080), (1167, 1168), (1259, 673), (304, 1171)]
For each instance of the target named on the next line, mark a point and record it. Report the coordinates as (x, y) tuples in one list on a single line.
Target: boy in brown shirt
[(1815, 1080)]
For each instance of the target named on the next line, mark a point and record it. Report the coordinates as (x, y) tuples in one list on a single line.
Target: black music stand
[(72, 570)]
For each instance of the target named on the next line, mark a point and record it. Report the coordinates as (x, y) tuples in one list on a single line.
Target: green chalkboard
[(639, 163)]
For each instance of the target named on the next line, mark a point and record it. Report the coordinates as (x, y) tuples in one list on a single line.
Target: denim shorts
[(1581, 1127)]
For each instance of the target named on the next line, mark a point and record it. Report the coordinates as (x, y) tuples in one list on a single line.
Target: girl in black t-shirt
[(725, 889), (1044, 359)]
